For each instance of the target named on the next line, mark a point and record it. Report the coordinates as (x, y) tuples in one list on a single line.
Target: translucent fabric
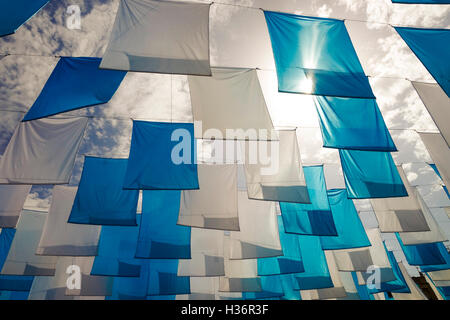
[(100, 199), (291, 259), (440, 153), (371, 174), (75, 83), (215, 204), (11, 282), (60, 238), (159, 235), (432, 165), (56, 287), (441, 277), (14, 13), (171, 163), (403, 214), (12, 199), (350, 230), (397, 285), (258, 236), (230, 105), (432, 47), (160, 36), (338, 289), (116, 252), (415, 294), (355, 124), (310, 219), (163, 279), (207, 252), (317, 274), (433, 235), (240, 276), (349, 287), (131, 288), (271, 287), (42, 151), (432, 255), (327, 65), (277, 181), (359, 259), (21, 259), (438, 105)]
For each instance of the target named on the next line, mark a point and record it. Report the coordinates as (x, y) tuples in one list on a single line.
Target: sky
[(238, 38)]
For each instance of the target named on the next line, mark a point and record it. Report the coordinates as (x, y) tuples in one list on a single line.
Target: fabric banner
[(402, 214), (240, 276), (12, 199), (371, 174), (159, 235), (55, 288), (363, 291), (338, 289), (42, 151), (432, 48), (100, 199), (290, 287), (350, 230), (280, 181), (310, 219), (258, 236), (91, 286), (75, 83), (429, 256), (317, 274), (327, 66), (215, 204), (172, 163), (207, 252), (116, 252), (11, 282), (355, 124), (271, 288), (433, 235), (439, 152), (60, 238), (360, 259), (397, 285), (21, 259), (415, 294), (163, 279), (202, 288), (14, 295), (438, 105), (160, 37), (15, 13), (291, 259), (230, 105), (440, 276), (131, 288), (349, 287), (435, 169)]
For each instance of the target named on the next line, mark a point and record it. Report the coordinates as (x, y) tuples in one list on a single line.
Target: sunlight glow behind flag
[(315, 56)]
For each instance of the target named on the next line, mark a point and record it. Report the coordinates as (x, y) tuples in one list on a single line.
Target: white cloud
[(324, 11)]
